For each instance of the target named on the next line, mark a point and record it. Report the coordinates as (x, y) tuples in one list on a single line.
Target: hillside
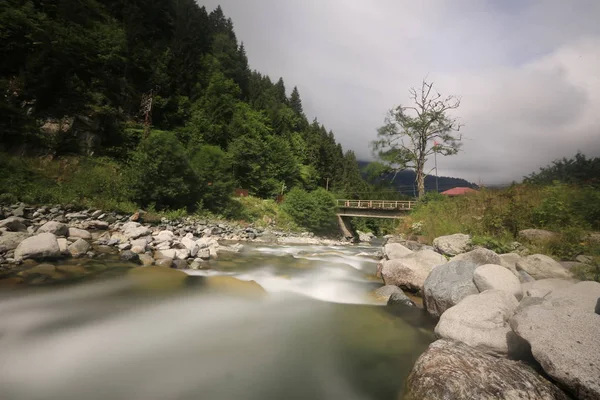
[(404, 181), (158, 97)]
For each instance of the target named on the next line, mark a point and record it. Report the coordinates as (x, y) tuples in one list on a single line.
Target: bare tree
[(411, 134)]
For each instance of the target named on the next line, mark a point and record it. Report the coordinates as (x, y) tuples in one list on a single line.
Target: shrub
[(315, 210)]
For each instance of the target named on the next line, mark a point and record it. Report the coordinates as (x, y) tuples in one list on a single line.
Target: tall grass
[(495, 217)]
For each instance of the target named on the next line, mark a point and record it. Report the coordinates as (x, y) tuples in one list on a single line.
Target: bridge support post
[(346, 228)]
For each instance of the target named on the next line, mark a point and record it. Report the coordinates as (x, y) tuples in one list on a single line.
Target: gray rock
[(130, 256), (164, 236), (384, 292), (524, 277), (481, 321), (124, 246), (204, 254), (10, 240), (57, 228), (540, 266), (63, 245), (566, 343), (14, 224), (490, 276), (164, 262), (412, 270), (138, 249), (394, 251), (180, 264), (79, 248), (79, 233), (98, 225), (191, 245), (400, 299), (19, 212), (447, 285), (582, 295), (452, 370), (133, 230), (544, 286), (170, 253), (146, 260), (509, 261), (365, 236), (583, 259), (453, 244), (39, 247), (479, 256), (597, 309), (538, 235), (77, 216)]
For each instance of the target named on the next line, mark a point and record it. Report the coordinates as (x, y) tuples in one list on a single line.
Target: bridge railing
[(376, 204)]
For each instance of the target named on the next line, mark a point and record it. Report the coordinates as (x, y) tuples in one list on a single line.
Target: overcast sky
[(528, 71)]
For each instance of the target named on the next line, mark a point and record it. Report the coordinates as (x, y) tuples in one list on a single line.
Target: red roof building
[(458, 191)]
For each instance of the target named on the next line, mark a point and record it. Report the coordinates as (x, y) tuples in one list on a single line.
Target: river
[(318, 334)]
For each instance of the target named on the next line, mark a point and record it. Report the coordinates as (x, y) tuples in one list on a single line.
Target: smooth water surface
[(316, 335)]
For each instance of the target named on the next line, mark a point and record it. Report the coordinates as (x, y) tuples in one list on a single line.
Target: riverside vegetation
[(562, 199)]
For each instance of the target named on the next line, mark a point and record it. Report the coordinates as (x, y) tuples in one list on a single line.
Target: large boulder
[(38, 247), (538, 235), (479, 256), (10, 240), (57, 228), (481, 321), (133, 230), (582, 295), (394, 251), (79, 248), (411, 270), (453, 244), (14, 224), (447, 285), (566, 343), (509, 261), (79, 233), (492, 276), (544, 286), (540, 266), (453, 370)]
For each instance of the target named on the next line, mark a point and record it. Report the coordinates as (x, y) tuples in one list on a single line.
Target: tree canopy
[(413, 133)]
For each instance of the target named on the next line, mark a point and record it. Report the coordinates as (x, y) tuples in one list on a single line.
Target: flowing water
[(318, 334)]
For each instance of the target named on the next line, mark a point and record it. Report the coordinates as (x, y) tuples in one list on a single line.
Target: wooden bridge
[(374, 208), (370, 209)]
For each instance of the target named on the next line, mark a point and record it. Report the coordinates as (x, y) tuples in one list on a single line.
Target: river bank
[(63, 231)]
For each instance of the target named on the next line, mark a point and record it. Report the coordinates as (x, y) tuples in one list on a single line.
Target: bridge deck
[(390, 205)]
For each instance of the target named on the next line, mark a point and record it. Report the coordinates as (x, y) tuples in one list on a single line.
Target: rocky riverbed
[(49, 233), (511, 326)]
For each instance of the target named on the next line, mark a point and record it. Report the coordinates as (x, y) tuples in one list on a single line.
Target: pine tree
[(295, 102)]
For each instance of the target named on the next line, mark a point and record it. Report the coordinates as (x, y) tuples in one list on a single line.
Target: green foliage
[(498, 245), (411, 134), (577, 170), (312, 210), (160, 173), (213, 182)]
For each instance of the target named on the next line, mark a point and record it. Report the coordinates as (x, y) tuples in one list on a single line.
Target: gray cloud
[(528, 72)]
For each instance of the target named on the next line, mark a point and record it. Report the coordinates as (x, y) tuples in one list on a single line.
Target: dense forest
[(159, 95)]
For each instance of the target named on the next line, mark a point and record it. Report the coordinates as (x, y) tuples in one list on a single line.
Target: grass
[(494, 218)]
